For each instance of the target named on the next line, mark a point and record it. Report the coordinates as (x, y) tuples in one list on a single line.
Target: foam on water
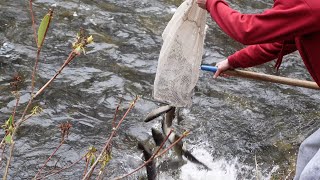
[(221, 169)]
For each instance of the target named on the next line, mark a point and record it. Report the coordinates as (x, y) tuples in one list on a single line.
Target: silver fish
[(157, 112), (178, 147), (157, 136), (151, 166)]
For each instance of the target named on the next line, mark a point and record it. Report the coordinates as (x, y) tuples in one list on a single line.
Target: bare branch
[(67, 167), (149, 160), (115, 115), (109, 140), (39, 172), (173, 144), (33, 22), (5, 175)]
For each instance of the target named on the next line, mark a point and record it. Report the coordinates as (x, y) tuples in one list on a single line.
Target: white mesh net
[(181, 55)]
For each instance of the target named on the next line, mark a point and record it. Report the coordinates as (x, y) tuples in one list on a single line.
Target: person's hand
[(222, 66), (202, 4)]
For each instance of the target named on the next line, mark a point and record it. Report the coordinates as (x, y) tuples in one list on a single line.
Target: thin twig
[(15, 109), (173, 144), (31, 98), (86, 168), (35, 67), (55, 165), (5, 175), (109, 140), (155, 155), (115, 115), (72, 55), (162, 144), (12, 144), (33, 22), (100, 175), (149, 160), (33, 76), (64, 168), (11, 150), (2, 144), (39, 172), (38, 51)]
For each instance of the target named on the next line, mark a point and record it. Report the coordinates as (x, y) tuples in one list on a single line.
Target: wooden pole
[(272, 78)]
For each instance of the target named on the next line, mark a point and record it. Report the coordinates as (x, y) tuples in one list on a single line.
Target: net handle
[(265, 77)]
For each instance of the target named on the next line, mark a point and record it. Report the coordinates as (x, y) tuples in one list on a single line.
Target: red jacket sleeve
[(284, 21), (258, 54)]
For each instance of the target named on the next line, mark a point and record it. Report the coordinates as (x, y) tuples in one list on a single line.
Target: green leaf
[(43, 28), (92, 161), (10, 121), (8, 139)]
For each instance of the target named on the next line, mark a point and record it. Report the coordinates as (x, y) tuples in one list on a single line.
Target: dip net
[(180, 56)]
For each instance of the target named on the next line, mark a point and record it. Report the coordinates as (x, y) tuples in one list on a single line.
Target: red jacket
[(288, 26)]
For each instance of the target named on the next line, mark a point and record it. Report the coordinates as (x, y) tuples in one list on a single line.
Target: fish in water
[(178, 148), (179, 117), (157, 136), (161, 110), (169, 115), (151, 166), (157, 112)]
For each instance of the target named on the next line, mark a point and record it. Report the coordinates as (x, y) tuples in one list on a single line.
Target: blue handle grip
[(209, 68)]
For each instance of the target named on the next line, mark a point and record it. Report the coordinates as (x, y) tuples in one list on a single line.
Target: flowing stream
[(240, 128)]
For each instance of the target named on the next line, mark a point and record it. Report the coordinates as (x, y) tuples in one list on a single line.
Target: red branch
[(87, 176), (39, 172), (155, 155)]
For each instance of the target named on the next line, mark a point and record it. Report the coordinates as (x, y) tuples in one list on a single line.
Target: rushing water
[(233, 121)]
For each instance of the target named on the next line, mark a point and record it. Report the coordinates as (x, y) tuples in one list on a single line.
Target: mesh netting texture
[(180, 56)]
